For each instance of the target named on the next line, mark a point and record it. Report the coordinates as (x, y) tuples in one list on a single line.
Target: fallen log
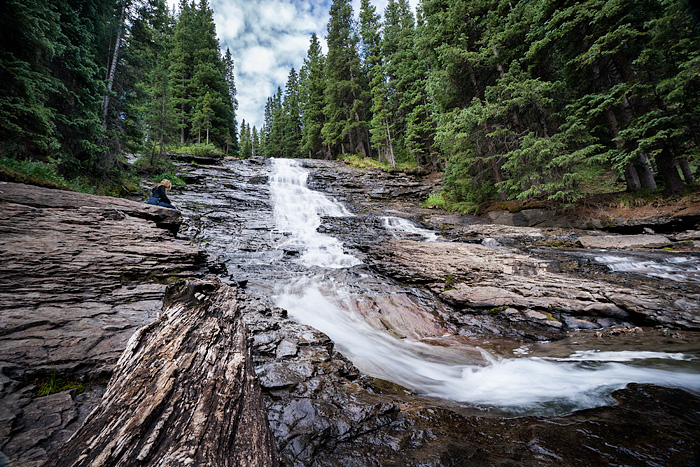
[(184, 392)]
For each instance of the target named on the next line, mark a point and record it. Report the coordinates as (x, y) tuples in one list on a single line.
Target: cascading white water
[(399, 224), (298, 211), (518, 385), (674, 268)]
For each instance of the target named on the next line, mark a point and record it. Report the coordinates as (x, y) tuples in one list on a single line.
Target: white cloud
[(267, 38)]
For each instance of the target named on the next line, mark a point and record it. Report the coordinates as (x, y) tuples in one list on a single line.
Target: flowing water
[(374, 324), (399, 226)]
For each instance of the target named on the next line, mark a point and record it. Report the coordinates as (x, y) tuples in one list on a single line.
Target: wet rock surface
[(530, 291), (324, 411), (624, 241), (79, 275)]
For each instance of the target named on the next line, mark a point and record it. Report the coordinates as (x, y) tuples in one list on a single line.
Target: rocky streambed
[(417, 308), (383, 333)]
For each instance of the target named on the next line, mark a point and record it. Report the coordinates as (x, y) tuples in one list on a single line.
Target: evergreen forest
[(513, 100), (509, 99), (86, 81)]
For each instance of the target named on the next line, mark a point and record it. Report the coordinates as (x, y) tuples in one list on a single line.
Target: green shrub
[(435, 200), (199, 150), (174, 179)]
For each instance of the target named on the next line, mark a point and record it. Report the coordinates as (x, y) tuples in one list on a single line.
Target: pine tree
[(407, 76), (232, 143), (311, 94), (181, 65), (29, 31), (380, 127), (246, 141), (256, 142), (344, 106), (292, 117), (160, 114), (80, 88)]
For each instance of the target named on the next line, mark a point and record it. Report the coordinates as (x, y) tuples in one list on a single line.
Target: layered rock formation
[(520, 288), (79, 275)]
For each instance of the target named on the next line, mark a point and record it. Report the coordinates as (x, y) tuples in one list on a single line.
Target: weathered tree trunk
[(632, 179), (685, 168), (631, 175), (669, 171), (389, 146), (184, 392), (644, 172), (112, 69)]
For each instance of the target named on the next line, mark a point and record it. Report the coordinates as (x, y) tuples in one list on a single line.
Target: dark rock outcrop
[(183, 392), (197, 159)]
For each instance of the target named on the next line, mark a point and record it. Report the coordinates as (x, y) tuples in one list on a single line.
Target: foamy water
[(399, 225), (674, 268)]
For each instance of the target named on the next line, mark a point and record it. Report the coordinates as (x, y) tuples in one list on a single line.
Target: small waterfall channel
[(328, 293)]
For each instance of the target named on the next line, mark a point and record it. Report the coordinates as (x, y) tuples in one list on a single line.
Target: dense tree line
[(512, 99), (85, 80)]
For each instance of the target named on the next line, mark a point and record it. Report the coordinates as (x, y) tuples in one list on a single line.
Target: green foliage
[(311, 100), (54, 384), (32, 172), (174, 179), (449, 283), (435, 200)]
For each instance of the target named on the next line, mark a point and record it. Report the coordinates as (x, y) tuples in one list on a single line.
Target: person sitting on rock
[(159, 197)]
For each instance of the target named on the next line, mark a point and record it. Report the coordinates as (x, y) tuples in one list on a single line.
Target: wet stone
[(287, 348), (575, 323)]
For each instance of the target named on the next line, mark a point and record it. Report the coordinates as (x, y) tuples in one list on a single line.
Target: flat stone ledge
[(615, 242)]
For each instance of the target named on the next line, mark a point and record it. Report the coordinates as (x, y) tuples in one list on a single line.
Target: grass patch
[(359, 162), (449, 283), (54, 383)]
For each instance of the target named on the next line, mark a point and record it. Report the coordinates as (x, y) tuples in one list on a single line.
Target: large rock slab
[(40, 197), (475, 277), (79, 275), (184, 392)]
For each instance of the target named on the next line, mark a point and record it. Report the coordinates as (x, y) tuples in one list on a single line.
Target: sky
[(267, 38)]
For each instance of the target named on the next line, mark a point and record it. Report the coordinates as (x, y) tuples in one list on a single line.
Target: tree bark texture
[(184, 392), (644, 172), (685, 168), (669, 171)]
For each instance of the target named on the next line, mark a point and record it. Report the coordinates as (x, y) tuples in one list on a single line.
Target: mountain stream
[(274, 242)]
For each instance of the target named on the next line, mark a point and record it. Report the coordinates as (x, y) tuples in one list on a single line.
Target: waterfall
[(519, 385), (298, 211)]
